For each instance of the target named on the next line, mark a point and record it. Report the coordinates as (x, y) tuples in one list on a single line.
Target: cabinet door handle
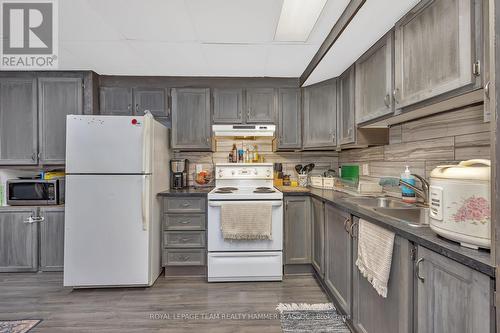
[(395, 94), (417, 269), (33, 156), (129, 107), (347, 220), (387, 100), (487, 90), (137, 108), (351, 230)]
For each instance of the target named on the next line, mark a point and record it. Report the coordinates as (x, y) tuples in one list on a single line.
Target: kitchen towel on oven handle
[(246, 221)]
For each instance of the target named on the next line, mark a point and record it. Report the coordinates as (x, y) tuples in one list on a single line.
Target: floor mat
[(17, 326), (301, 318)]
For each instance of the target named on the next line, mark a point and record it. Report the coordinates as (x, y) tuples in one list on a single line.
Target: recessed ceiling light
[(297, 19)]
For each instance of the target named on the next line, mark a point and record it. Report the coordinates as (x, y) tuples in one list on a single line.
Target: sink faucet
[(423, 192)]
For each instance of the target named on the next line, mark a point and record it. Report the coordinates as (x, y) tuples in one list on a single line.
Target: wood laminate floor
[(172, 305)]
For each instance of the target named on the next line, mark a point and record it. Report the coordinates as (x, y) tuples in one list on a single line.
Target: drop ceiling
[(210, 37)]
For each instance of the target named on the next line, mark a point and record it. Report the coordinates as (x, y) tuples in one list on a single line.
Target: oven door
[(216, 243)]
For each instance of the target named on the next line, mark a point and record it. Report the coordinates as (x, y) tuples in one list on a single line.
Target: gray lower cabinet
[(373, 313), (191, 128), (18, 121), (345, 93), (18, 241), (374, 81), (116, 101), (289, 119), (228, 105), (436, 46), (52, 239), (338, 256), (318, 236), (184, 239), (451, 297), (260, 105), (320, 116), (57, 98), (297, 230)]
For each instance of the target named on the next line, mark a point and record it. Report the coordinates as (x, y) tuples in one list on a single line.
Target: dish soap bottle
[(407, 194)]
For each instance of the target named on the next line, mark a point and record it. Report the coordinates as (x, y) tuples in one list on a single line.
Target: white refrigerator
[(115, 166)]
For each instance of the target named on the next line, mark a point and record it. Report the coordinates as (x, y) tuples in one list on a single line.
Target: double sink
[(407, 213)]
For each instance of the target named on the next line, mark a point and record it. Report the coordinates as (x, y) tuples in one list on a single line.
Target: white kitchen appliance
[(244, 260), (459, 200), (264, 130), (115, 167)]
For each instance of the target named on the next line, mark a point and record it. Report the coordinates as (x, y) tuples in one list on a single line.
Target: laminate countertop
[(479, 260), (188, 191)]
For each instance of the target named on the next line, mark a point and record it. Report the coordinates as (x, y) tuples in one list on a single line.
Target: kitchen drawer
[(181, 257), (180, 239), (184, 221), (185, 205)]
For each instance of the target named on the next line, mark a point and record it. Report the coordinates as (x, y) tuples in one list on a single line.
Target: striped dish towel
[(375, 245)]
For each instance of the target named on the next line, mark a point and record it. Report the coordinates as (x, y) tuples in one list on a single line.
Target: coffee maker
[(178, 173)]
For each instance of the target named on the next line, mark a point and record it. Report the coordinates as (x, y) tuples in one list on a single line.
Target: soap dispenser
[(407, 194)]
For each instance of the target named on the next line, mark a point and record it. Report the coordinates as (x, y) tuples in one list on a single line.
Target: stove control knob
[(233, 172), (255, 172), (268, 173)]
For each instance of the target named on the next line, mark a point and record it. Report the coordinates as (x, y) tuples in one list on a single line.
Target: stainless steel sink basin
[(382, 202), (415, 216)]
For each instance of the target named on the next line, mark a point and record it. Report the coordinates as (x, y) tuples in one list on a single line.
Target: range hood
[(244, 130)]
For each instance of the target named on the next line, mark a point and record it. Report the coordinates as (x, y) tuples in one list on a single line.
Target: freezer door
[(106, 144), (107, 240)]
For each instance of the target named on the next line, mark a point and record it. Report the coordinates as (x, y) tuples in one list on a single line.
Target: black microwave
[(34, 192)]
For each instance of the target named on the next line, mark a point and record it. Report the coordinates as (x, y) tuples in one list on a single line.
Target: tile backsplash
[(445, 138), (323, 159)]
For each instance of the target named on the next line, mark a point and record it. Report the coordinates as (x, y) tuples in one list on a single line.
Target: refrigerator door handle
[(145, 201), (146, 142)]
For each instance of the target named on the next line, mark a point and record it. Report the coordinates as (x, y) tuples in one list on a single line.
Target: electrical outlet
[(365, 169)]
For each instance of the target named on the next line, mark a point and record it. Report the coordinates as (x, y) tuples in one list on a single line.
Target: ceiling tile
[(176, 59), (235, 60), (152, 20), (235, 21), (288, 60), (78, 22)]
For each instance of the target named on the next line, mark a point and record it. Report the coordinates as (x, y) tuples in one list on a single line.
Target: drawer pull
[(184, 240), (184, 258), (186, 204), (185, 221)]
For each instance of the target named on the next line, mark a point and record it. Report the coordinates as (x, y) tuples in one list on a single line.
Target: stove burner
[(225, 190), (264, 190)]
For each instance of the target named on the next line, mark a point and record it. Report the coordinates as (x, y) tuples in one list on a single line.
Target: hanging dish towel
[(248, 221), (375, 245)]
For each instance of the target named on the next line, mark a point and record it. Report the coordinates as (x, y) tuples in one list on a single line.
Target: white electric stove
[(244, 260)]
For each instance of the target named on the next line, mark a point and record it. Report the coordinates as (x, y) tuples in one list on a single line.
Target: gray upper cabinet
[(374, 81), (18, 121), (116, 101), (57, 98), (297, 230), (260, 105), (347, 124), (153, 100), (338, 256), (318, 236), (450, 296), (18, 241), (289, 119), (228, 106), (436, 45), (373, 313), (320, 116), (52, 239), (191, 128)]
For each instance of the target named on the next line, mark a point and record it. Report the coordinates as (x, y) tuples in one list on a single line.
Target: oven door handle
[(219, 204)]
